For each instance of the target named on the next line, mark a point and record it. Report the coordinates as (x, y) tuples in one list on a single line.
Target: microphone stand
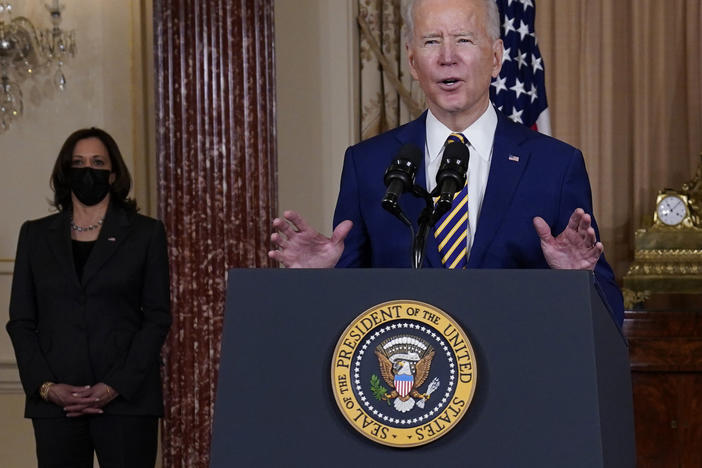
[(399, 214), (425, 221)]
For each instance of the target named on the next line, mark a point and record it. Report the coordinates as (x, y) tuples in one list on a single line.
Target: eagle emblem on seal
[(405, 362)]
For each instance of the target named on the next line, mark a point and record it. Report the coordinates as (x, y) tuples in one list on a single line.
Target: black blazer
[(108, 327)]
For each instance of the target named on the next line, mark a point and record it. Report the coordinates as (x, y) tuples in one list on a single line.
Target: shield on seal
[(403, 384)]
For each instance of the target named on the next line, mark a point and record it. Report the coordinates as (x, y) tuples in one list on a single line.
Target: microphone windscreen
[(411, 153), (458, 151)]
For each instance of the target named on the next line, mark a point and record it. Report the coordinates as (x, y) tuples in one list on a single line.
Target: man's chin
[(449, 107)]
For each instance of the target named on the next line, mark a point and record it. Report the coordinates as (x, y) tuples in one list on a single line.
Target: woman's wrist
[(44, 390)]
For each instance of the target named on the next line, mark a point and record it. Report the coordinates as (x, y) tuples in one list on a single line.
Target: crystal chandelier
[(26, 51)]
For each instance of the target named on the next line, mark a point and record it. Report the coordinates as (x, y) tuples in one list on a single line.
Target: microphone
[(451, 176), (399, 176)]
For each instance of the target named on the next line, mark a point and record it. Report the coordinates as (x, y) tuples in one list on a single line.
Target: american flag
[(520, 90)]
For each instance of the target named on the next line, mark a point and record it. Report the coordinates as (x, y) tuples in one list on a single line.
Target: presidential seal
[(403, 373)]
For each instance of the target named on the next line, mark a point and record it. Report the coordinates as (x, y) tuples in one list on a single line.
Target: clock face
[(671, 210)]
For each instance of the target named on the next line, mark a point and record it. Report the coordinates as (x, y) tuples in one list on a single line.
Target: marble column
[(216, 144)]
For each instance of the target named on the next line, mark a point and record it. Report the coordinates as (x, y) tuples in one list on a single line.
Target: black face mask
[(90, 185)]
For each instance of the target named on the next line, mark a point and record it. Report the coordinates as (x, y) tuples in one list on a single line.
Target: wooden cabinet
[(665, 348)]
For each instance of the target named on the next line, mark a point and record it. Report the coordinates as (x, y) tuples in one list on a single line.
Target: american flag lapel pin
[(112, 239), (513, 158)]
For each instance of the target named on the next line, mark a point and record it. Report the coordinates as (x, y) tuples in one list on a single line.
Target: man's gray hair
[(492, 27)]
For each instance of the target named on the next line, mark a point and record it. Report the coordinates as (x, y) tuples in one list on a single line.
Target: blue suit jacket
[(548, 180)]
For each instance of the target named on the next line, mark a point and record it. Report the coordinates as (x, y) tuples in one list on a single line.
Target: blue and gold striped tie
[(452, 228)]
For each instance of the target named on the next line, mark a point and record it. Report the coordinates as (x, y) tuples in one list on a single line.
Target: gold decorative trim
[(631, 298), (666, 262), (693, 189), (685, 226), (665, 269), (669, 255)]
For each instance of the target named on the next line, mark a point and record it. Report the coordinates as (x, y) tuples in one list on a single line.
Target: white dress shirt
[(480, 135)]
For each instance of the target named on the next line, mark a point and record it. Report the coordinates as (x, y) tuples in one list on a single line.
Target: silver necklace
[(90, 227)]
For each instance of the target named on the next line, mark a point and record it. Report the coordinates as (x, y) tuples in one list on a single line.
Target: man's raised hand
[(576, 248), (299, 246)]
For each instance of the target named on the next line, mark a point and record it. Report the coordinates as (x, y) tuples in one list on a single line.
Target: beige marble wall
[(317, 77), (107, 86)]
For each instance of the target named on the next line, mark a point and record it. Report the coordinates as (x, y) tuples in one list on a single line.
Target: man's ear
[(497, 51), (410, 60)]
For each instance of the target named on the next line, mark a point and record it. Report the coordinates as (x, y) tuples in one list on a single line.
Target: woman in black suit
[(89, 312)]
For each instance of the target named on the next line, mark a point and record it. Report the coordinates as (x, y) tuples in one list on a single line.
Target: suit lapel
[(506, 169), (114, 230), (416, 133), (59, 238)]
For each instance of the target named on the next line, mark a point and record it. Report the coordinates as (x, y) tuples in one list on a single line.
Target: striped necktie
[(452, 228)]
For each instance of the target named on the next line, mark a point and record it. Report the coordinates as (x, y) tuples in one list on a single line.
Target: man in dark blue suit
[(522, 185)]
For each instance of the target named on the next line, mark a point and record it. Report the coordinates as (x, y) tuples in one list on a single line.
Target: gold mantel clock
[(668, 254), (672, 209)]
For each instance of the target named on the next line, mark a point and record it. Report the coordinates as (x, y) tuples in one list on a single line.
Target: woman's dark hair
[(60, 176)]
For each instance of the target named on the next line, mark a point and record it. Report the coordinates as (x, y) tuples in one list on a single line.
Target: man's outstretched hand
[(300, 246), (576, 248)]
